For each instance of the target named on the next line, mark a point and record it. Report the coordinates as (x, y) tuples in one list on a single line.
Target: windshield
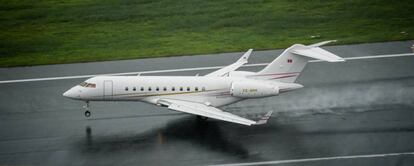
[(87, 85)]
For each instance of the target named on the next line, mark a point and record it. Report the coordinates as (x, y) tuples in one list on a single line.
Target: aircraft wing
[(225, 70), (209, 111)]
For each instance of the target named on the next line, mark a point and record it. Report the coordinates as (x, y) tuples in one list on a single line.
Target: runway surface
[(360, 112)]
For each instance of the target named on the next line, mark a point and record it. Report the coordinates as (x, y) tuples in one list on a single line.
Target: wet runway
[(359, 107)]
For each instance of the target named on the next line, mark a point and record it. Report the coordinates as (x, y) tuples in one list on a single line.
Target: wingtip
[(248, 52), (264, 119), (322, 43), (245, 56), (338, 60)]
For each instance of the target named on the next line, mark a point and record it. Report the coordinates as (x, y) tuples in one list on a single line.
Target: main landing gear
[(86, 107)]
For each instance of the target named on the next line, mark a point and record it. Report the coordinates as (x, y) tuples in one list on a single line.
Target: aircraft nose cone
[(69, 94)]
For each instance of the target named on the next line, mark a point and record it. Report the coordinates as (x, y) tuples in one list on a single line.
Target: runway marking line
[(186, 69), (317, 159)]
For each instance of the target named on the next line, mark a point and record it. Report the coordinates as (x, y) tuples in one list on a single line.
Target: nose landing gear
[(86, 107), (87, 113)]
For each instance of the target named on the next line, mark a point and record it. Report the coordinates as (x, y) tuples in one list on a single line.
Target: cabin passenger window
[(134, 89), (188, 88), (157, 89), (181, 88), (142, 88), (173, 88), (196, 88), (126, 88), (149, 88), (165, 88)]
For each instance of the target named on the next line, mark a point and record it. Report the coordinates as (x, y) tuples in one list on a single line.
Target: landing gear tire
[(87, 113)]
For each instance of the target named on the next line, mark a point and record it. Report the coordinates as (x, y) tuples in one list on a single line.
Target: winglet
[(226, 70), (245, 56), (263, 120)]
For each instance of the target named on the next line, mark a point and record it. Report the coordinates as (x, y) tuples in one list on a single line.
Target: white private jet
[(202, 95)]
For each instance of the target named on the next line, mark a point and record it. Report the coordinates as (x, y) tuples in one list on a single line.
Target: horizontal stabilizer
[(318, 53)]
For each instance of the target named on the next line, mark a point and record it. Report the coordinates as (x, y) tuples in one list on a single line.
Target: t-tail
[(288, 66)]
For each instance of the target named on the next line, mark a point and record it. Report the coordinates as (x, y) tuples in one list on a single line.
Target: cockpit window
[(87, 85)]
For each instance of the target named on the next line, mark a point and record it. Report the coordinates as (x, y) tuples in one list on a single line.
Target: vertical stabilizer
[(288, 66)]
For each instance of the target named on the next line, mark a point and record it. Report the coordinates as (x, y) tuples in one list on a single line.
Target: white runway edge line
[(186, 69), (318, 159)]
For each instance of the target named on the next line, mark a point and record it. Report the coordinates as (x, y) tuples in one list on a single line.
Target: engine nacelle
[(253, 89)]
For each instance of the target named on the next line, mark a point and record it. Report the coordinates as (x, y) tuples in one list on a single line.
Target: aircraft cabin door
[(107, 90)]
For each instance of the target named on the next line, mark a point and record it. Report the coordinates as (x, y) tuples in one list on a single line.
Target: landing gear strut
[(86, 107)]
